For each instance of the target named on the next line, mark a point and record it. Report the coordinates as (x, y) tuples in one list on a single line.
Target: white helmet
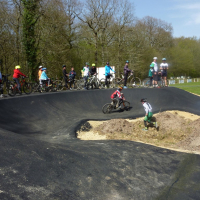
[(40, 66), (155, 58)]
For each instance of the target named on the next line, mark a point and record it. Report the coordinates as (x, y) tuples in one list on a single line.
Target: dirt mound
[(174, 131), (115, 126)]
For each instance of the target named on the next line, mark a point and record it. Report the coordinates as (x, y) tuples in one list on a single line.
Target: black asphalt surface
[(41, 158)]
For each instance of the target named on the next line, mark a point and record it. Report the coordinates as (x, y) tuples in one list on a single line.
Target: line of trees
[(56, 32)]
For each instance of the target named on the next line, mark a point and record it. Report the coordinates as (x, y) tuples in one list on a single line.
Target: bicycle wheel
[(135, 82), (147, 83), (107, 108), (102, 83), (114, 83), (27, 88), (11, 89), (81, 84), (97, 83), (125, 105)]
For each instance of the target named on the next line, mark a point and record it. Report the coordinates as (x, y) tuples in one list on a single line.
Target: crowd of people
[(69, 78)]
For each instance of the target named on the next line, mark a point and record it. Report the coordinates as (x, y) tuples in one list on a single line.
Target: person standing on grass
[(155, 72), (164, 68), (148, 114), (126, 72)]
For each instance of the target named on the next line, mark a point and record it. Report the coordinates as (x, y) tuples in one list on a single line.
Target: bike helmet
[(120, 88), (17, 67), (93, 64), (63, 66), (40, 67), (155, 58), (87, 63), (127, 61), (44, 69), (143, 100), (107, 63), (164, 59)]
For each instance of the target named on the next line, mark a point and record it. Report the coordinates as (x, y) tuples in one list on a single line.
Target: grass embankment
[(193, 87)]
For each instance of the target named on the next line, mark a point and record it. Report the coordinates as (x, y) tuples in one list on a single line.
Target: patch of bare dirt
[(176, 130)]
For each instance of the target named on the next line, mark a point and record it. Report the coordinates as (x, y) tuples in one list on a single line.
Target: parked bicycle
[(131, 80), (25, 86), (111, 82), (109, 107), (5, 82)]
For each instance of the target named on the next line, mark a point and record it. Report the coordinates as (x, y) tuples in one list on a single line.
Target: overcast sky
[(183, 15)]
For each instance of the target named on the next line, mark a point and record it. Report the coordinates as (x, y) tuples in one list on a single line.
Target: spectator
[(126, 71), (86, 73), (107, 73), (16, 77), (65, 76), (39, 73), (164, 68), (155, 72), (72, 75), (150, 75), (93, 69)]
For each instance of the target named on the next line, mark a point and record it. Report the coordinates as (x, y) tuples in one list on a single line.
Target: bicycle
[(109, 107), (93, 81), (6, 83), (25, 86), (111, 82), (131, 80)]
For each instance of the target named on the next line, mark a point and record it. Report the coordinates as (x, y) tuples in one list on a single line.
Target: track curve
[(41, 157)]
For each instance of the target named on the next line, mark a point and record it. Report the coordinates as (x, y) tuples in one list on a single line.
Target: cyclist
[(107, 73), (65, 76), (164, 68), (93, 69), (44, 76), (117, 97), (148, 114), (72, 75), (16, 77), (155, 72), (126, 71), (39, 73), (86, 73)]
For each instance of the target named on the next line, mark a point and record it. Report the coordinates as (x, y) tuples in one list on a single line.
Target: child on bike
[(148, 114), (117, 97), (16, 77), (72, 75), (44, 76), (107, 73)]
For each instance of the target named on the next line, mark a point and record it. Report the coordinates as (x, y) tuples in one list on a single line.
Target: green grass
[(193, 87)]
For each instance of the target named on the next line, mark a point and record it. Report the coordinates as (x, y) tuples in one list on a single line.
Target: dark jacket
[(126, 69), (72, 74), (64, 73), (93, 70)]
